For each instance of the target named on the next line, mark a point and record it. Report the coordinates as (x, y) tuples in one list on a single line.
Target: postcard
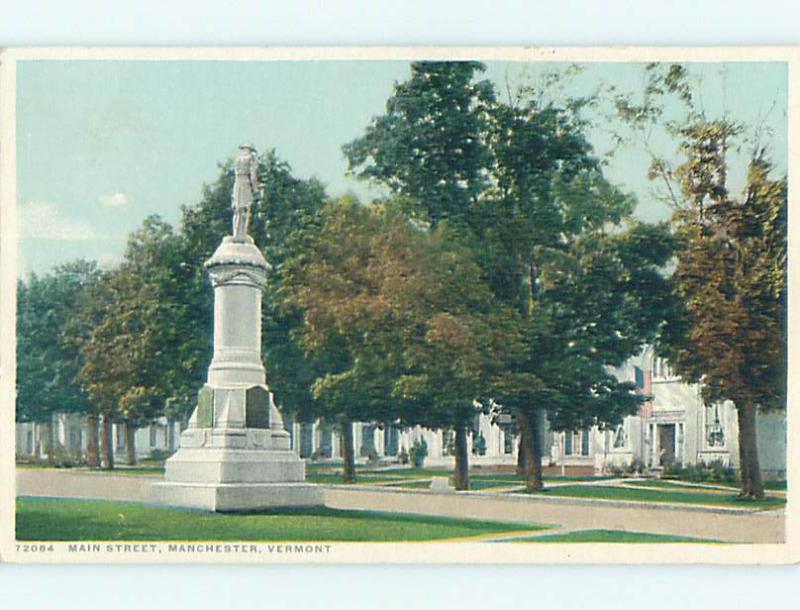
[(398, 305)]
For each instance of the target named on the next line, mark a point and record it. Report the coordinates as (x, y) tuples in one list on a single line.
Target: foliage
[(715, 472), (553, 237), (401, 317), (418, 452), (636, 466), (46, 364), (429, 146), (158, 455), (479, 444), (125, 328), (731, 278), (403, 456), (727, 329)]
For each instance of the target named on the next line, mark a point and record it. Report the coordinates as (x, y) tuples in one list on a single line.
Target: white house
[(674, 428)]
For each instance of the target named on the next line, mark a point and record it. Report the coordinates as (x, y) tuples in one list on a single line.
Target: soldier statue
[(245, 188)]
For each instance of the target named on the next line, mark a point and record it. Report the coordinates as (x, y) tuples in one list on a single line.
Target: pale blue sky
[(102, 144)]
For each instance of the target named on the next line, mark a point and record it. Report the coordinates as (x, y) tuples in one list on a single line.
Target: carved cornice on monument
[(238, 261), (231, 274)]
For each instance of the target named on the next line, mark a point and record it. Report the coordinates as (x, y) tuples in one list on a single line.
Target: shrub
[(372, 456), (715, 472), (638, 466), (615, 470), (158, 455), (63, 458), (448, 442), (418, 452), (479, 445), (403, 456)]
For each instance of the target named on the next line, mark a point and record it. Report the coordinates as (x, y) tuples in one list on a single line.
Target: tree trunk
[(535, 480), (107, 443), (750, 470), (461, 475), (171, 436), (48, 440), (130, 442), (522, 457), (92, 443), (348, 451), (37, 440), (527, 422)]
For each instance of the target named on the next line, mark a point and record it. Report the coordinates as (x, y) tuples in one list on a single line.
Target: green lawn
[(478, 483), (331, 474), (610, 536), (62, 519), (152, 470), (361, 478), (768, 485), (650, 495), (414, 484), (474, 484), (776, 485), (674, 484), (143, 468)]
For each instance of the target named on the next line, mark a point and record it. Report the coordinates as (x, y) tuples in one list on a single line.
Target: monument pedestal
[(235, 454)]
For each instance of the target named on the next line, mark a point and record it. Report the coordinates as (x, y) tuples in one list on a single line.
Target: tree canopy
[(556, 240)]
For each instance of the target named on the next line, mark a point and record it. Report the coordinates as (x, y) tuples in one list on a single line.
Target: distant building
[(71, 436), (674, 428)]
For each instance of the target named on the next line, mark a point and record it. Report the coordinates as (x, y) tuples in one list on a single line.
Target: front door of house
[(666, 444)]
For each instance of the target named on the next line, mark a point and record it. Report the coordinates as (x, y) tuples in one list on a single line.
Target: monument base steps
[(237, 497)]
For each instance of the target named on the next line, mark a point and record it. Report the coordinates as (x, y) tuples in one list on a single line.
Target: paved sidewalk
[(569, 514), (63, 483), (668, 519)]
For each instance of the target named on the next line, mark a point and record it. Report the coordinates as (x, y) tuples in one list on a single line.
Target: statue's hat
[(248, 146)]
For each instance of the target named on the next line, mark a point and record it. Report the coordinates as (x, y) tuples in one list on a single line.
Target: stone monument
[(235, 453)]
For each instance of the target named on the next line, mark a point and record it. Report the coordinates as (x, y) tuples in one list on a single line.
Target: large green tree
[(728, 328), (730, 331), (430, 144), (46, 365), (404, 320), (534, 203), (125, 329)]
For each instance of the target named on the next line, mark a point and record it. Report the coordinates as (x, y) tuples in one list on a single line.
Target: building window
[(74, 437), (448, 442), (367, 448), (638, 377), (585, 441), (715, 435), (508, 441), (568, 443), (391, 440), (325, 443), (306, 440), (620, 438), (153, 431)]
